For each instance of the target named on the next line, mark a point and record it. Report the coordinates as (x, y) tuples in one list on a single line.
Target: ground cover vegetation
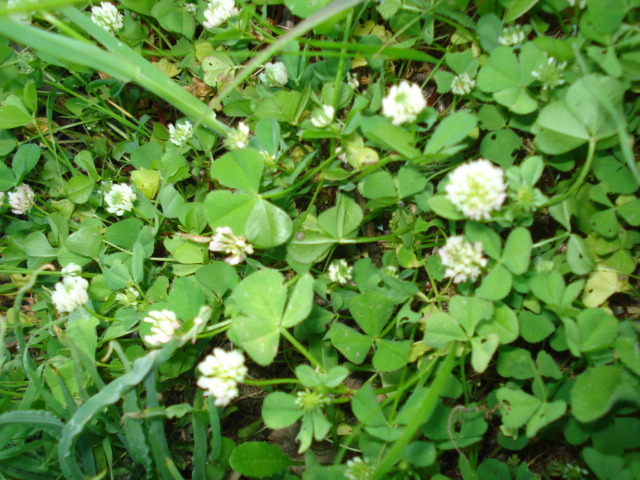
[(329, 240)]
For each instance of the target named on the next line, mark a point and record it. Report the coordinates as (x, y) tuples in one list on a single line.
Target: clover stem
[(292, 340)]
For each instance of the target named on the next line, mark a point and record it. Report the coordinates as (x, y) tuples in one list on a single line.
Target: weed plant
[(331, 240)]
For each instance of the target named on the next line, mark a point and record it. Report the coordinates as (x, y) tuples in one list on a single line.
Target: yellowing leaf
[(168, 68), (600, 286)]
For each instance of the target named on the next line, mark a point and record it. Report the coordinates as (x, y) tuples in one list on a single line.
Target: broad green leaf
[(304, 9), (517, 251), (240, 169), (469, 311), (147, 181), (420, 454), (482, 349), (548, 287), (172, 202), (381, 132), (82, 332), (258, 336), (503, 323), (628, 350), (442, 207), (584, 104), (12, 113), (300, 302), (558, 130), (501, 72), (117, 277), (366, 408), (38, 249), (174, 18), (500, 146), (597, 329), (343, 219), (86, 242), (280, 410), (309, 247), (186, 297), (219, 69), (516, 407), (268, 134), (535, 328), (441, 328), (516, 363), (371, 311), (267, 226), (517, 8), (594, 392), (496, 285), (630, 212), (79, 189), (7, 178), (452, 130), (25, 159), (223, 208), (185, 251), (391, 355), (516, 99), (353, 345), (258, 459), (219, 277), (477, 232), (546, 414), (579, 256), (262, 295), (604, 466), (378, 185), (410, 181)]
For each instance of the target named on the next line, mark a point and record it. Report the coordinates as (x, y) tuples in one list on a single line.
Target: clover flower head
[(71, 270), (512, 36), (359, 469), (462, 84), (221, 373), (352, 80), (543, 265), (24, 59), (236, 246), (476, 189), (218, 12), (274, 75), (191, 8), (119, 199), (463, 259), (22, 199), (70, 293), (238, 137), (181, 132), (390, 270), (107, 17), (403, 103), (550, 73), (340, 271), (130, 298), (309, 400), (323, 116), (164, 324)]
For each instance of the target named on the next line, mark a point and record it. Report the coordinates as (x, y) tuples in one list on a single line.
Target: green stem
[(292, 340), (578, 183)]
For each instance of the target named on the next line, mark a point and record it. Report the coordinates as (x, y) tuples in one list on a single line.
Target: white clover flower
[(352, 80), (550, 74), (340, 271), (163, 327), (190, 8), (107, 17), (390, 270), (322, 117), (70, 293), (180, 132), (274, 75), (218, 12), (236, 247), (512, 36), (476, 189), (462, 84), (309, 400), (22, 199), (359, 469), (119, 199), (71, 270), (463, 260), (238, 137), (403, 103), (221, 373)]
